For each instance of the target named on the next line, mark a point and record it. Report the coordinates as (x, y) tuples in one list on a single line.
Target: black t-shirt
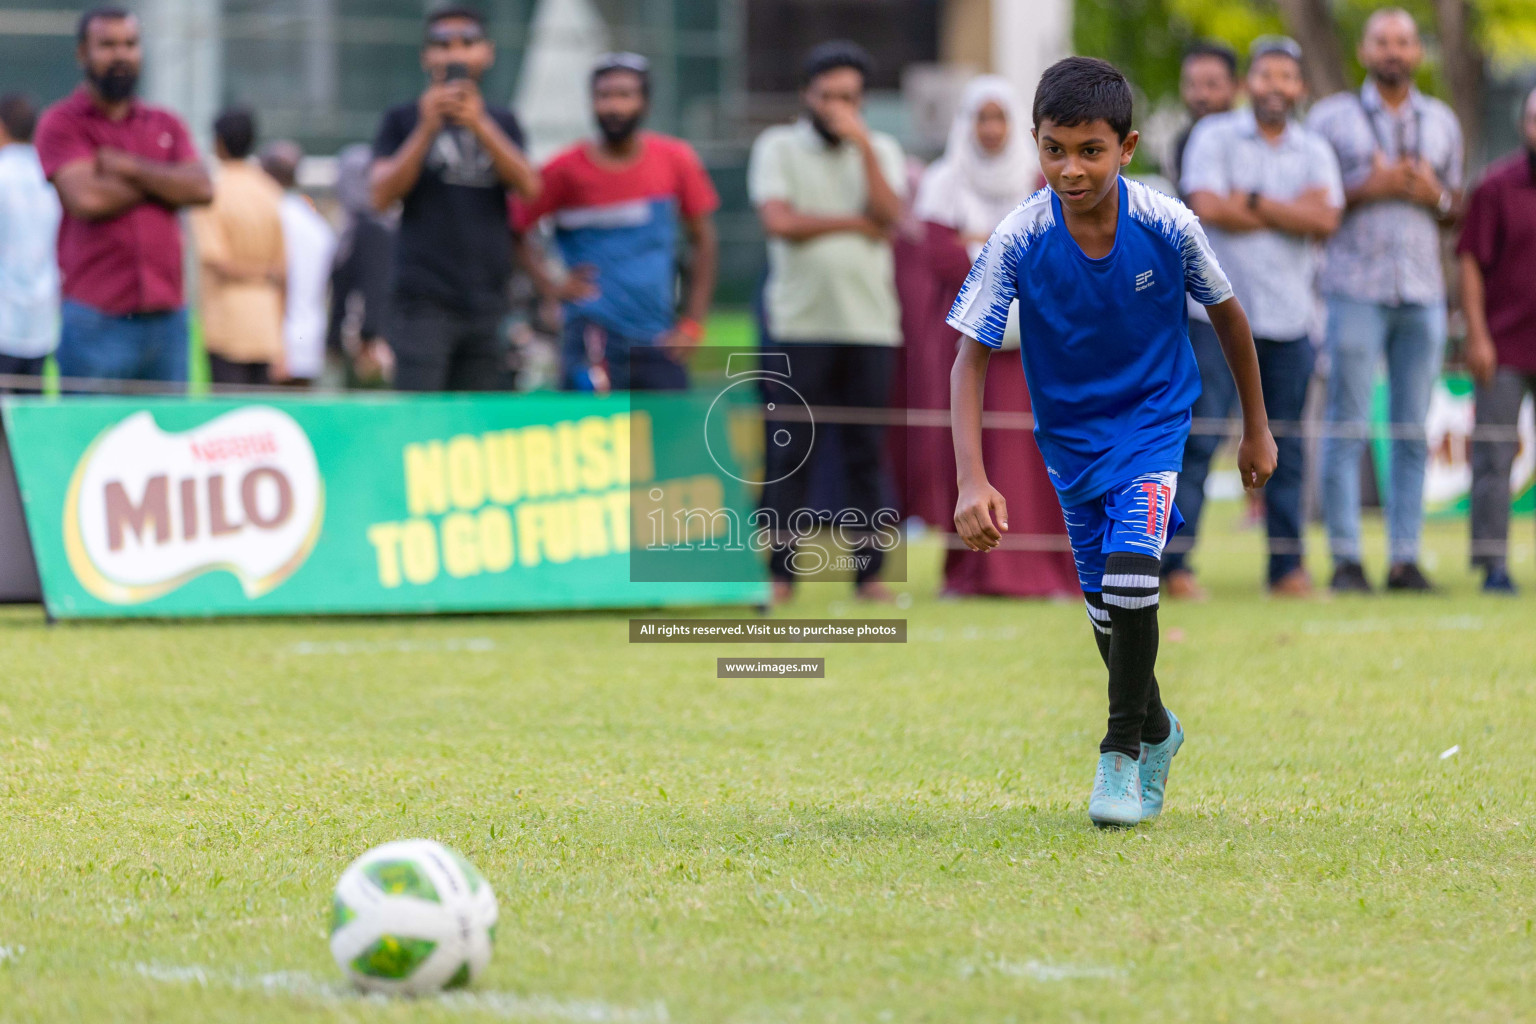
[(455, 243)]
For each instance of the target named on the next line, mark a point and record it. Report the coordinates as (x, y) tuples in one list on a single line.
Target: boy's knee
[(1130, 581)]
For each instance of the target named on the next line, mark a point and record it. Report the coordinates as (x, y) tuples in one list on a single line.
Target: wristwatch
[(1444, 204), (1253, 200)]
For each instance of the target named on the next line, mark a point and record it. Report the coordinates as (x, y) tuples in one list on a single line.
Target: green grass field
[(905, 840)]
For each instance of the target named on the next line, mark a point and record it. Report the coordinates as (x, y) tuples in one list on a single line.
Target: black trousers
[(826, 375), (22, 366), (442, 349), (227, 372)]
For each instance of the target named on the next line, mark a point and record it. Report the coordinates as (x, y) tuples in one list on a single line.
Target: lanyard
[(1381, 142)]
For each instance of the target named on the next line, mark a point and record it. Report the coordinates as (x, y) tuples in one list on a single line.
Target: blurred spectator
[(363, 276), (240, 253), (29, 270), (986, 170), (1267, 189), (451, 158), (310, 245), (617, 203), (828, 192), (1498, 291), (1401, 157), (122, 169), (1207, 85)]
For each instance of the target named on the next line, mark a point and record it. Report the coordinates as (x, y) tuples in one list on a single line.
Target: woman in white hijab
[(988, 168)]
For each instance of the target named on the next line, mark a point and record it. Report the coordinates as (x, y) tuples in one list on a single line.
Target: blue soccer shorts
[(1136, 517)]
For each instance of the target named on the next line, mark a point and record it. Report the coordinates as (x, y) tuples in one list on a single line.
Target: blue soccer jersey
[(1105, 342)]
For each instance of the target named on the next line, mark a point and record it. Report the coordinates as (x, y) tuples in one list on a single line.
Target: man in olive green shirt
[(828, 192)]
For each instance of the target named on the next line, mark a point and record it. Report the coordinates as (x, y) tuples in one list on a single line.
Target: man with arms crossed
[(122, 169), (1267, 190)]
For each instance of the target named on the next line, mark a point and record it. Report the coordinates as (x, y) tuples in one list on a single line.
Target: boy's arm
[(1256, 453), (979, 501)]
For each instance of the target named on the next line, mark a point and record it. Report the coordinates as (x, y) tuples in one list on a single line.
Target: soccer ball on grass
[(412, 917)]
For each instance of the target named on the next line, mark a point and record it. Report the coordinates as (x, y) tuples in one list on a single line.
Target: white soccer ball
[(412, 917)]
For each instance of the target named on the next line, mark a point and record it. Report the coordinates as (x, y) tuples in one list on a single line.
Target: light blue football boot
[(1116, 800), (1155, 762)]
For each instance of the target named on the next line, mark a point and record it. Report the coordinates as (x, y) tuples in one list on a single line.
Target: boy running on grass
[(1100, 267)]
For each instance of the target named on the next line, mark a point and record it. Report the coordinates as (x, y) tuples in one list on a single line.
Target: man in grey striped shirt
[(1401, 156)]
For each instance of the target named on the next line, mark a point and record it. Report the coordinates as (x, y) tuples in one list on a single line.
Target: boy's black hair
[(19, 115), (109, 12), (838, 53), (1078, 90), (1211, 48), (236, 129), (457, 11)]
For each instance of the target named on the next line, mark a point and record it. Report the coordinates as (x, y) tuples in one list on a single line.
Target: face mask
[(616, 129), (117, 83)]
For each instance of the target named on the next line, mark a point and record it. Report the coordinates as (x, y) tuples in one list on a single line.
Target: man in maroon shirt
[(1498, 269), (122, 169)]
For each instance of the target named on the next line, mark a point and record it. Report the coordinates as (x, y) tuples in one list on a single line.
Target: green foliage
[(1507, 30)]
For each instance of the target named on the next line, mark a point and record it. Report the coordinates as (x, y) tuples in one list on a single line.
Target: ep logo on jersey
[(1144, 280)]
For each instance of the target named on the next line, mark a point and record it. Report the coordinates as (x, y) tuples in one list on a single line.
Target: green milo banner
[(403, 504)]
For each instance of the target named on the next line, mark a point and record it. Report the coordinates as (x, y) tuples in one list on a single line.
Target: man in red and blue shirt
[(618, 204)]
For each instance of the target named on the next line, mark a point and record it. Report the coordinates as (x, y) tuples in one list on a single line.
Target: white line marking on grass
[(1040, 971), (474, 645), (506, 1005), (10, 954)]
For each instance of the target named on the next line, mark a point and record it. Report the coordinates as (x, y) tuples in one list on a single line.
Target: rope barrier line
[(31, 383), (887, 416), (922, 418)]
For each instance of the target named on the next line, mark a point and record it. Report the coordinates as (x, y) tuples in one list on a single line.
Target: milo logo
[(148, 510)]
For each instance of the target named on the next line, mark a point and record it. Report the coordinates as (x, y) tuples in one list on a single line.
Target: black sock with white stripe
[(1156, 727), (1130, 597)]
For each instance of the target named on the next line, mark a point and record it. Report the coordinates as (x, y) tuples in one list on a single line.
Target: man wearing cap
[(450, 159), (1267, 191), (1400, 153), (619, 203)]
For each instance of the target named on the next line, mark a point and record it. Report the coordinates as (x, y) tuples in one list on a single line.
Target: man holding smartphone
[(451, 159)]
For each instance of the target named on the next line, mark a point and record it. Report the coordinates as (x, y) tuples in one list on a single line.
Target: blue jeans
[(1412, 339), (138, 346), (1285, 369)]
